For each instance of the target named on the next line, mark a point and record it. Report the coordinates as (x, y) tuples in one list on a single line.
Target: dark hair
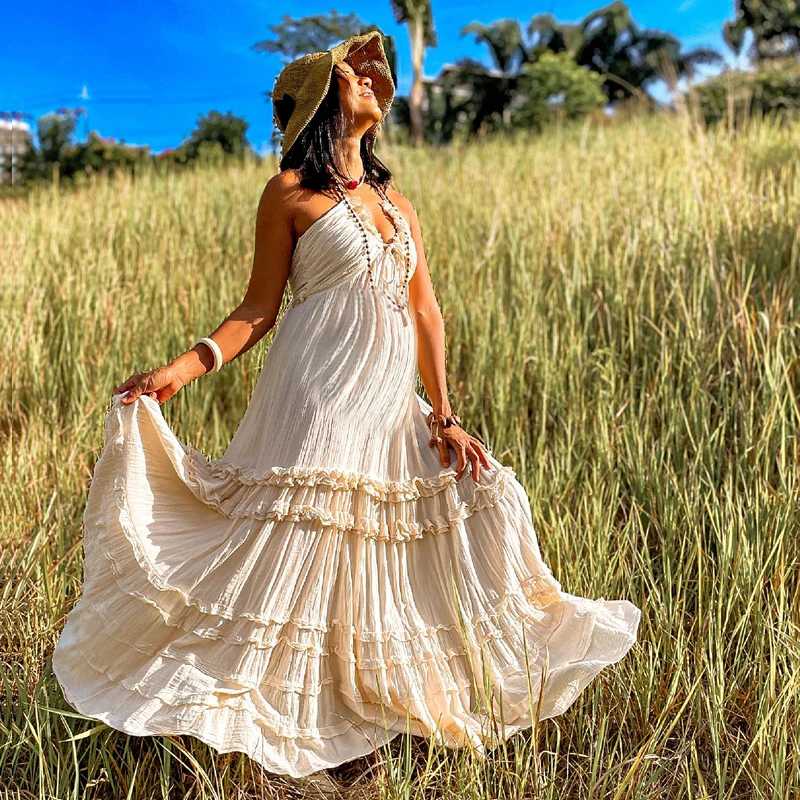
[(313, 152)]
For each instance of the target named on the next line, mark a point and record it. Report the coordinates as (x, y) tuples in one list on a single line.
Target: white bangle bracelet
[(214, 347)]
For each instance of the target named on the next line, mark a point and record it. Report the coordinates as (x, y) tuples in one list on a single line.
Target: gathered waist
[(384, 293)]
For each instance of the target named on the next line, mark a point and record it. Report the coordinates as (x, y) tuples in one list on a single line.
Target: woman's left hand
[(470, 451)]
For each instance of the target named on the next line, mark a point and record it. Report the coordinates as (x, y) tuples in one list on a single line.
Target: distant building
[(14, 139)]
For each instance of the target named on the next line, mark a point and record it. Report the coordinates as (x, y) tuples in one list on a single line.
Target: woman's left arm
[(431, 354)]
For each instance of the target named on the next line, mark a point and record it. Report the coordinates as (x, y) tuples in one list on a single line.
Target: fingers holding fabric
[(470, 452)]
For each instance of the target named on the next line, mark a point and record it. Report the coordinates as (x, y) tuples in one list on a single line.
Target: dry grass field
[(621, 306)]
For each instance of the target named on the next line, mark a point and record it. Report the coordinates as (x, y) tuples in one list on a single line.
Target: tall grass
[(622, 321)]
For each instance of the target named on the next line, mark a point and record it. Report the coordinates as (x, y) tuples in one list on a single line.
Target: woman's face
[(357, 100)]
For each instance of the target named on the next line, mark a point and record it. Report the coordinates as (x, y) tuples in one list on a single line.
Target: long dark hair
[(313, 152)]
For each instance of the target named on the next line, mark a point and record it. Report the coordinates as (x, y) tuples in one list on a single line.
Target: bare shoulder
[(281, 187), (281, 198), (401, 201)]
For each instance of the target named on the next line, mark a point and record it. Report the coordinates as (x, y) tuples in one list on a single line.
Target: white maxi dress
[(326, 584)]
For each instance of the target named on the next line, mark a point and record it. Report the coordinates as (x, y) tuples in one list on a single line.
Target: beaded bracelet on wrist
[(442, 421)]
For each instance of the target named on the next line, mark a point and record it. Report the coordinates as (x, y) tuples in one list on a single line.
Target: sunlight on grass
[(621, 312)]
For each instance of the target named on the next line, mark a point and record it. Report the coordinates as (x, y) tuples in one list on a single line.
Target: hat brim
[(365, 54), (308, 78)]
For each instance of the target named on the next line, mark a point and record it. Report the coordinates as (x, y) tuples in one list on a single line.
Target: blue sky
[(146, 71)]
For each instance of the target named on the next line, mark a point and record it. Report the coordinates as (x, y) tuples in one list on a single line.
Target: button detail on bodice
[(391, 270)]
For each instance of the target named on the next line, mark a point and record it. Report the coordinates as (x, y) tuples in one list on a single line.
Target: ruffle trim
[(184, 677), (455, 664), (199, 702), (227, 700), (236, 671), (123, 547), (248, 654), (248, 648), (180, 669), (241, 678), (382, 520), (382, 490), (259, 631)]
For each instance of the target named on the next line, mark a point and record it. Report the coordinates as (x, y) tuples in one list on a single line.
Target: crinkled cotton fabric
[(326, 584)]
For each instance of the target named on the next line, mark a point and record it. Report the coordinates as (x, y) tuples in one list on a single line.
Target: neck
[(350, 153)]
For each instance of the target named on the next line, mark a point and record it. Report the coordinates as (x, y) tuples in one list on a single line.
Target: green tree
[(312, 34), (296, 37), (773, 89), (100, 154), (495, 91), (29, 166), (57, 150), (467, 97), (223, 131), (555, 86), (547, 34), (470, 97), (775, 25), (56, 132), (608, 41), (504, 40)]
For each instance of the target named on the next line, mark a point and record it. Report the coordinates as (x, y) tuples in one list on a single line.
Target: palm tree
[(609, 42), (504, 39), (296, 36), (495, 89), (546, 33), (775, 27), (419, 17), (473, 96)]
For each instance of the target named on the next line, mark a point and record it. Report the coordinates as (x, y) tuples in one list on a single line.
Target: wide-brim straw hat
[(302, 84)]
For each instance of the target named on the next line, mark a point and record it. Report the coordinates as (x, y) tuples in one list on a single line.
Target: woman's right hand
[(160, 384)]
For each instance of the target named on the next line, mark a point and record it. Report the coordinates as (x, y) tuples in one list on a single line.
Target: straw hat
[(302, 84)]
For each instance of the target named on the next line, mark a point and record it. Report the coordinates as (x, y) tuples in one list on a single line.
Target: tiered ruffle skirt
[(306, 616)]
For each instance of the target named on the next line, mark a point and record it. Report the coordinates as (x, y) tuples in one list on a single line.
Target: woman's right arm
[(252, 318)]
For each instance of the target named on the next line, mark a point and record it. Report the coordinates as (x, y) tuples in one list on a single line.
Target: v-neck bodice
[(391, 211), (332, 250)]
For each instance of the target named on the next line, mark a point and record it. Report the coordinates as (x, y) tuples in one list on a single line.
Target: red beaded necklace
[(356, 184)]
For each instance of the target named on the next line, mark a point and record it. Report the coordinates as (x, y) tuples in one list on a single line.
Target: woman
[(332, 580)]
